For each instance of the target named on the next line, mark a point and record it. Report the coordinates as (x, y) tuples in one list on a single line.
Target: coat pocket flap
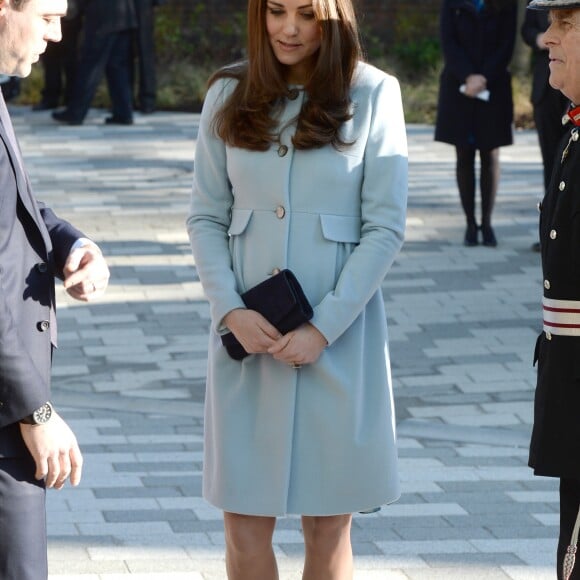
[(341, 228), (240, 220)]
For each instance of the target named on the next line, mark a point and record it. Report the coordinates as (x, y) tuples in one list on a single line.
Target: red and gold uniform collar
[(574, 115)]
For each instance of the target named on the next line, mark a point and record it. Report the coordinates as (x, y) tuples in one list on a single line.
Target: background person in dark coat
[(549, 104), (60, 62), (106, 49), (37, 448), (478, 39), (555, 444)]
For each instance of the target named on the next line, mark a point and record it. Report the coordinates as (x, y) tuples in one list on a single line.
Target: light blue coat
[(319, 440)]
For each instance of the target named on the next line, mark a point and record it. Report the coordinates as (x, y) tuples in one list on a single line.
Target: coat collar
[(467, 5)]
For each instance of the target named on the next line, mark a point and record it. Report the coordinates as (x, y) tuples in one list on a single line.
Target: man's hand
[(253, 331), (86, 274), (299, 347), (55, 451)]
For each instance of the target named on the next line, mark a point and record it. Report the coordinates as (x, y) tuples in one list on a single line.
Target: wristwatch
[(41, 416)]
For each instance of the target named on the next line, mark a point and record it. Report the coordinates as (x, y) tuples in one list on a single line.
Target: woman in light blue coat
[(301, 163)]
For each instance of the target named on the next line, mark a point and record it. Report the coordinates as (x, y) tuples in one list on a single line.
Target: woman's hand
[(253, 331), (299, 347), (474, 84)]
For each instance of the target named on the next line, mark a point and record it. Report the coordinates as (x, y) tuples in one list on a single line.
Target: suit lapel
[(22, 183)]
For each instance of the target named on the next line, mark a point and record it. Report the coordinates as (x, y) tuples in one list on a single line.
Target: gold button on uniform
[(575, 136), (553, 234), (562, 186), (280, 212), (539, 206), (276, 271), (282, 150), (548, 335), (547, 284)]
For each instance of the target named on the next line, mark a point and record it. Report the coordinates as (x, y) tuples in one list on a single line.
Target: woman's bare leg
[(328, 547), (249, 553)]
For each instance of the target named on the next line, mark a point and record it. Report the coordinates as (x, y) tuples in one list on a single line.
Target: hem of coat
[(462, 143), (559, 472), (279, 514)]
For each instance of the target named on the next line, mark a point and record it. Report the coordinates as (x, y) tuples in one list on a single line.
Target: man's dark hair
[(18, 4)]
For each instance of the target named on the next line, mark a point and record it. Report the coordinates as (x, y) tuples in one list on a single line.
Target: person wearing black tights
[(475, 107)]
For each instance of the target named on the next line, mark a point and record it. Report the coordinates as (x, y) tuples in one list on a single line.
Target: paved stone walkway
[(129, 374)]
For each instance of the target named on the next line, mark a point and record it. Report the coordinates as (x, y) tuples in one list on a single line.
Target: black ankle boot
[(470, 235), (488, 237)]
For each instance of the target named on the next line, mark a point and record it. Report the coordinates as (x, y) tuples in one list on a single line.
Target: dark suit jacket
[(108, 16), (34, 245), (536, 22)]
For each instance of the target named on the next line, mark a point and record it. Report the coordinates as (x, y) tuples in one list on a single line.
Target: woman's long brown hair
[(247, 118)]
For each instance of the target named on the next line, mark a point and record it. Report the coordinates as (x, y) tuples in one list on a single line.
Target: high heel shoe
[(470, 236), (488, 236)]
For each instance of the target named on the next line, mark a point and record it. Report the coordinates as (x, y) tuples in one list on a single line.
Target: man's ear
[(3, 6)]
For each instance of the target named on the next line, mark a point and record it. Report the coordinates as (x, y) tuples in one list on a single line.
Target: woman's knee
[(320, 531), (248, 534)]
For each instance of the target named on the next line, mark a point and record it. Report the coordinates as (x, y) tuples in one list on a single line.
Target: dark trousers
[(145, 41), (110, 55), (23, 545), (60, 64), (548, 119), (569, 504)]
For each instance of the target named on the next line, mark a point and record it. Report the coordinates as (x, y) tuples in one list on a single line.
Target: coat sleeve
[(383, 215), (457, 60), (497, 61), (62, 235), (210, 214)]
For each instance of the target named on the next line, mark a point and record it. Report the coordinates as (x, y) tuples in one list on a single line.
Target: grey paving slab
[(130, 370)]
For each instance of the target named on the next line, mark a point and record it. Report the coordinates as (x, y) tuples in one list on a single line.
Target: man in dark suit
[(106, 50), (37, 448), (549, 104)]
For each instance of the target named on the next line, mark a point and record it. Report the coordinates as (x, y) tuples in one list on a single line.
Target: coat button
[(276, 271), (562, 186), (293, 94), (43, 325), (553, 234), (282, 150), (42, 267), (539, 206), (575, 135), (548, 335), (280, 212), (547, 284)]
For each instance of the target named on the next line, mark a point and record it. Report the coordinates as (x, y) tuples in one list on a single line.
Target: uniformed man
[(555, 444)]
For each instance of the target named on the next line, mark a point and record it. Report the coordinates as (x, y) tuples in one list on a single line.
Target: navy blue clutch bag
[(280, 300)]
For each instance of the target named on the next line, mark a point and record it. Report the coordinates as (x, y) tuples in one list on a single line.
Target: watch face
[(42, 414)]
